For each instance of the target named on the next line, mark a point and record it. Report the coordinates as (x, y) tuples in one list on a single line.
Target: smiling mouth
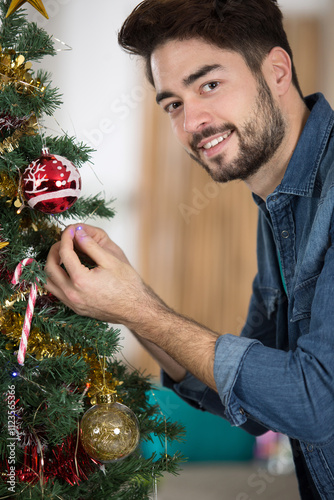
[(217, 140)]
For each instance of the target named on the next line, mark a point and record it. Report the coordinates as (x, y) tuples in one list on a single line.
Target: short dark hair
[(249, 27)]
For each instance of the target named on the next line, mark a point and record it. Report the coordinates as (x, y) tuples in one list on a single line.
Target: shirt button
[(242, 411), (285, 234), (310, 447), (274, 198)]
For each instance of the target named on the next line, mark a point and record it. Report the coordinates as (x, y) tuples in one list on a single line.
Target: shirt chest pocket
[(303, 298)]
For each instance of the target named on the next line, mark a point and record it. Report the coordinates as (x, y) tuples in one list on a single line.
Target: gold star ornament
[(37, 4)]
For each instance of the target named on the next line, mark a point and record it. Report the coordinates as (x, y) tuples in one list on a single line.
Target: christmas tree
[(54, 364)]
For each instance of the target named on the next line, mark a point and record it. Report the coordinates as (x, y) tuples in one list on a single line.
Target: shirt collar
[(301, 172)]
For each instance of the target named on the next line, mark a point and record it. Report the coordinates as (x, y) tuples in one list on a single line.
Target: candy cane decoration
[(29, 311)]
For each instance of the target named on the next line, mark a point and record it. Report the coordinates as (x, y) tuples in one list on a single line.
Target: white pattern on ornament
[(36, 174)]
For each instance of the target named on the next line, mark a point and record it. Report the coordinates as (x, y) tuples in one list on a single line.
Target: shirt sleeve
[(229, 356), (201, 397)]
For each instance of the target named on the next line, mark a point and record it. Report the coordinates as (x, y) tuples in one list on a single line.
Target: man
[(224, 73)]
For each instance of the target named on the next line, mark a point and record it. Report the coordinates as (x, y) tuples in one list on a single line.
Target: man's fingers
[(57, 278), (86, 244), (103, 240)]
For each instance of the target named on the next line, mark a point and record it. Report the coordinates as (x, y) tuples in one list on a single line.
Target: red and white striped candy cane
[(29, 311)]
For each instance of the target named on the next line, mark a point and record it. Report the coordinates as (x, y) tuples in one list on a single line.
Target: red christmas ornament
[(51, 183)]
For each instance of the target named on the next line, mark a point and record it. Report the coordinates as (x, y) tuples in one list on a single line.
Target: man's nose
[(196, 117)]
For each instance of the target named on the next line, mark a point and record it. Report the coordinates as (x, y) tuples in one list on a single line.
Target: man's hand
[(111, 291)]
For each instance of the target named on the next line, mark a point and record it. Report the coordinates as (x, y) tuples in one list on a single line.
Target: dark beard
[(259, 139)]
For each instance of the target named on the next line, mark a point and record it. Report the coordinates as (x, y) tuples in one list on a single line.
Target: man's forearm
[(166, 362), (180, 344)]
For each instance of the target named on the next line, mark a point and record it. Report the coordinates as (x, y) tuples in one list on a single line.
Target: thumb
[(91, 248)]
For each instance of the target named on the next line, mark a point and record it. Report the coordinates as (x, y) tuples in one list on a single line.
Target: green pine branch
[(11, 27), (24, 38), (34, 43)]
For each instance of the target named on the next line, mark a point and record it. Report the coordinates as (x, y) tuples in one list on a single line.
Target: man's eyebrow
[(204, 70), (163, 95)]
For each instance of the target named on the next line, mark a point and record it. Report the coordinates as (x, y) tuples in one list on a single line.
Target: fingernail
[(79, 230)]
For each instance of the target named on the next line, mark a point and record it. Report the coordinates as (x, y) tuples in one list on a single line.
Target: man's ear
[(278, 69)]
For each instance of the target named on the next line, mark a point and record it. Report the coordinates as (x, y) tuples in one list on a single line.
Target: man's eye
[(172, 107), (208, 87)]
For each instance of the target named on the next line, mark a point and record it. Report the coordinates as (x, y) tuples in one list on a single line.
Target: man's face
[(225, 117)]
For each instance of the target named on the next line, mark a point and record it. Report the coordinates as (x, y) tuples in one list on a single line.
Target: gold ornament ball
[(109, 432)]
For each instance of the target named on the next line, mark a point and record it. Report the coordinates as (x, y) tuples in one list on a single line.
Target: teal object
[(281, 271), (208, 437)]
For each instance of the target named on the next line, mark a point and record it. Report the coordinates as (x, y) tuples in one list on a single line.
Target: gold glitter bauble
[(109, 432)]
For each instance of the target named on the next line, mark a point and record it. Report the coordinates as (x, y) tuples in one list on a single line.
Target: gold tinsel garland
[(8, 188), (28, 128), (41, 345), (14, 70)]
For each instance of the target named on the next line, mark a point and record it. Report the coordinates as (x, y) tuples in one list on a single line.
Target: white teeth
[(214, 142)]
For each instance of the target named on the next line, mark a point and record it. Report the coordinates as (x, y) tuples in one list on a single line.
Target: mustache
[(209, 131)]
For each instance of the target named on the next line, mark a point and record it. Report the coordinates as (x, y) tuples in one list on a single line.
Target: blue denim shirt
[(279, 374)]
